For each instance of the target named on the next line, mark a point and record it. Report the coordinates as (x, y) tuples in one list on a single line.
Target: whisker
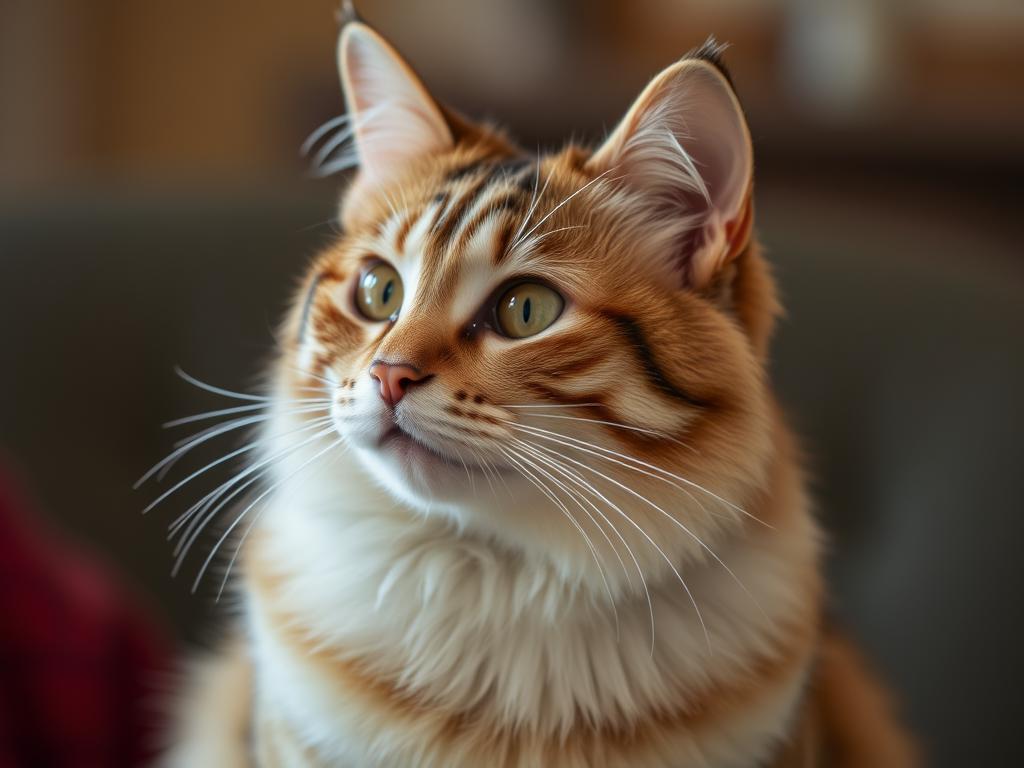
[(534, 201), (324, 153), (490, 471), (538, 464), (653, 543), (345, 162), (230, 425), (238, 409), (550, 232), (565, 511), (314, 424), (234, 423), (200, 522), (184, 449), (218, 390), (328, 382), (320, 132), (598, 495), (238, 549), (573, 476), (674, 520), (555, 405), (592, 447), (205, 436), (552, 436), (263, 495), (553, 210), (619, 425)]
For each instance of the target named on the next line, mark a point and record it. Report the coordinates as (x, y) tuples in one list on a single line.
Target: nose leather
[(395, 379)]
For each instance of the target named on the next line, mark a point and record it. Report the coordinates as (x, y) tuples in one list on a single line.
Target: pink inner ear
[(715, 135), (395, 120), (685, 143)]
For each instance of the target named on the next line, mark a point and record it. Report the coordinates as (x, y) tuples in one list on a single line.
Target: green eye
[(379, 295), (527, 309)]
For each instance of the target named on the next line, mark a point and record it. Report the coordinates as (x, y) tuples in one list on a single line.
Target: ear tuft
[(394, 119), (712, 52), (685, 147), (346, 13)]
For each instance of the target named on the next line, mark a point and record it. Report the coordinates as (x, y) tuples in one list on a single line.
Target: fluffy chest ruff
[(385, 640)]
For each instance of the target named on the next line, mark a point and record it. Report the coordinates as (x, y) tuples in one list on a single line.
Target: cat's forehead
[(473, 223)]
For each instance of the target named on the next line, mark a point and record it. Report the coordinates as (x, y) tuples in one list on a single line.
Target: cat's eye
[(527, 309), (379, 295)]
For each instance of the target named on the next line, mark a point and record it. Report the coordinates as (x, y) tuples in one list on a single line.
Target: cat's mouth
[(410, 447)]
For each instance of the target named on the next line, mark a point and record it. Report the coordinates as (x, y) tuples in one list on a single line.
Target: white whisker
[(553, 210), (641, 430), (329, 146), (534, 202), (320, 132), (565, 511), (201, 520), (209, 466), (204, 437), (556, 405), (315, 424), (263, 495), (672, 518), (651, 541), (643, 581), (575, 477), (237, 409), (592, 447), (241, 543), (218, 390)]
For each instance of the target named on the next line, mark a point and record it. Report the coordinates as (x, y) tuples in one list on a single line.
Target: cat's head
[(548, 347)]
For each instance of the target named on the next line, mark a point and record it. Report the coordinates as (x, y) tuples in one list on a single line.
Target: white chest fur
[(456, 625)]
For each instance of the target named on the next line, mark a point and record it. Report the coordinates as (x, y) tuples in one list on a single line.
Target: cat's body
[(573, 534)]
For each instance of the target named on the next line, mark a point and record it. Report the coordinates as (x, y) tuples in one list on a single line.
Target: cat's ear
[(684, 144), (393, 117)]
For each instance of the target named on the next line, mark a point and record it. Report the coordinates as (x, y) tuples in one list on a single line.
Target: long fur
[(595, 547)]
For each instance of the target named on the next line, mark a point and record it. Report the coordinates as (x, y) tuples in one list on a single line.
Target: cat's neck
[(416, 610)]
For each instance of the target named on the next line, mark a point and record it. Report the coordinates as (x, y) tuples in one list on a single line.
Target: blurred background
[(155, 211)]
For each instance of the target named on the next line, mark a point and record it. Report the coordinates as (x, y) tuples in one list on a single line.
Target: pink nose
[(395, 380)]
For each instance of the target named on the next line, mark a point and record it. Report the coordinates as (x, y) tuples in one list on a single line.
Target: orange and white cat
[(530, 499)]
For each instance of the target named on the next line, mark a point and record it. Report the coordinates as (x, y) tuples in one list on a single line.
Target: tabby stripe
[(655, 374), (444, 233), (492, 175), (512, 201), (528, 177), (441, 199), (504, 240), (469, 169), (403, 230)]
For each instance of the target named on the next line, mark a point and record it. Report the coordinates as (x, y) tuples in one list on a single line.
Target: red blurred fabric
[(80, 664)]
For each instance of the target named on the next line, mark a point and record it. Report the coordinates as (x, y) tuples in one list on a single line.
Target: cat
[(531, 500)]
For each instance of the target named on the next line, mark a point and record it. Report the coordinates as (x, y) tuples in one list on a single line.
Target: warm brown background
[(154, 211), (161, 90)]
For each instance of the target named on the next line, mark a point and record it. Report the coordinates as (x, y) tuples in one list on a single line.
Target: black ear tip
[(347, 13), (712, 52)]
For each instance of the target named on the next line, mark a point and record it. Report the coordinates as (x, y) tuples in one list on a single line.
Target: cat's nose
[(395, 379)]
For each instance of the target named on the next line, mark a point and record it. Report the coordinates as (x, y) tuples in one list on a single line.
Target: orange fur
[(662, 355)]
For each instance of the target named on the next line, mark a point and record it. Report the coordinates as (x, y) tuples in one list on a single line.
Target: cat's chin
[(420, 473), (410, 450)]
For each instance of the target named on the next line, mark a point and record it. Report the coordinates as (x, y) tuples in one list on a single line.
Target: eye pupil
[(526, 309), (379, 292)]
